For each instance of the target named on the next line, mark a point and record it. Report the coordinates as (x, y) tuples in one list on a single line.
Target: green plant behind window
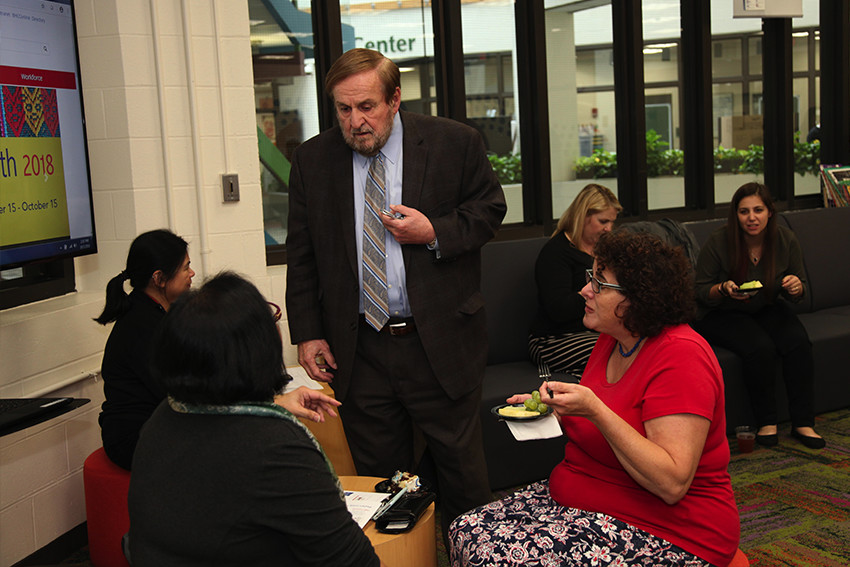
[(806, 156), (508, 167), (661, 161)]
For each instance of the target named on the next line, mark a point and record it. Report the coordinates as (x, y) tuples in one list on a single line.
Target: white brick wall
[(47, 344)]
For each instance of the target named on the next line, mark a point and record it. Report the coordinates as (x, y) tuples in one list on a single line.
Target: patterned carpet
[(794, 503)]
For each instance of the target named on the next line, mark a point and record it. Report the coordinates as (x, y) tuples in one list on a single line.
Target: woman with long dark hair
[(759, 325), (159, 272)]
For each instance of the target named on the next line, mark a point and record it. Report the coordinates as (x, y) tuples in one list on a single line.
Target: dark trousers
[(119, 438), (766, 340), (392, 395)]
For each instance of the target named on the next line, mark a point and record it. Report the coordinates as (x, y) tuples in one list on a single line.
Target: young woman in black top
[(159, 272)]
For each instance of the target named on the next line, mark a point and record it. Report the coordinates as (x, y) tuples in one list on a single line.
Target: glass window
[(806, 85), (481, 74), (726, 58), (402, 31), (490, 99), (582, 117), (727, 110), (800, 50), (594, 67), (817, 50), (754, 54), (756, 98), (285, 101), (806, 153), (739, 137), (508, 73), (664, 158), (418, 92)]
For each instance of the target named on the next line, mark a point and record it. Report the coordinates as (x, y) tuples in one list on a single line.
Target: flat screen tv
[(46, 208)]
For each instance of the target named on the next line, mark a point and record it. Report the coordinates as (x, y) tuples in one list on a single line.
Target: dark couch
[(509, 290)]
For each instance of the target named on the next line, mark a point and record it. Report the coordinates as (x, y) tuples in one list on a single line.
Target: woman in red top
[(644, 478)]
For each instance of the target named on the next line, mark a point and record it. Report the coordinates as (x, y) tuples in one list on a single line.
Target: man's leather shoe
[(771, 440), (808, 441)]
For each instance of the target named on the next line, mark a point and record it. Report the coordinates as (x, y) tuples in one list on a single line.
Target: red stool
[(107, 519), (740, 560)]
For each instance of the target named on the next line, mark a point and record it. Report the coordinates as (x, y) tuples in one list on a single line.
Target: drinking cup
[(746, 438)]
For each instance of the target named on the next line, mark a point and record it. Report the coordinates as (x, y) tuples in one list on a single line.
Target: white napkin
[(544, 428)]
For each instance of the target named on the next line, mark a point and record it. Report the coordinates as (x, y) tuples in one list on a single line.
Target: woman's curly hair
[(657, 279)]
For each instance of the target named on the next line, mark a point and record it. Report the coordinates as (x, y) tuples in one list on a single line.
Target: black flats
[(771, 440), (810, 442)]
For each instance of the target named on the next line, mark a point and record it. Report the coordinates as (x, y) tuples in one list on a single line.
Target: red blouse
[(675, 372)]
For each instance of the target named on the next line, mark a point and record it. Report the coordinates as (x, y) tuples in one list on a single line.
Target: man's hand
[(307, 403), (315, 357), (414, 228)]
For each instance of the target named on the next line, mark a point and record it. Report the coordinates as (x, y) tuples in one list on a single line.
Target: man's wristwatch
[(433, 244)]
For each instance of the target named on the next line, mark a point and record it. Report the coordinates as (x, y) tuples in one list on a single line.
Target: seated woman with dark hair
[(159, 272), (222, 475), (644, 479)]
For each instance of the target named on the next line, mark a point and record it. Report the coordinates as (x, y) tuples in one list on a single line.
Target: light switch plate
[(230, 187)]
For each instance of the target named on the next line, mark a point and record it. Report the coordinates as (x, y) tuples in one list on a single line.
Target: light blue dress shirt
[(393, 160)]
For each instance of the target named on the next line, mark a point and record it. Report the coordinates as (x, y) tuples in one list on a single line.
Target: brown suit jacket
[(446, 176)]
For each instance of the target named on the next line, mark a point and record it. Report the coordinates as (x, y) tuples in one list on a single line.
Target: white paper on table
[(545, 428), (300, 378), (363, 505)]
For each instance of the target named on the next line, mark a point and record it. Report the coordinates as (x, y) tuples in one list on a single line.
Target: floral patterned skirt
[(530, 528)]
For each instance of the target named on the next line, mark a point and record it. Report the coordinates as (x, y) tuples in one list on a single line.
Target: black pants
[(393, 393), (766, 340), (119, 438)]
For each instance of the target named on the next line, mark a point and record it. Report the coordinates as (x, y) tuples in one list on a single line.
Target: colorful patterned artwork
[(29, 112)]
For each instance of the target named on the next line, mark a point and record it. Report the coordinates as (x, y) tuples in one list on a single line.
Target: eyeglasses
[(276, 313), (597, 285)]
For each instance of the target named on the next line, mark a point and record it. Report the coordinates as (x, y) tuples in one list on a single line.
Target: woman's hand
[(729, 288), (792, 285), (307, 403), (518, 398), (566, 398)]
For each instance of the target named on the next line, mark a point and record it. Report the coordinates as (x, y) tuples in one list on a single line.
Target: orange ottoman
[(107, 519), (740, 560)]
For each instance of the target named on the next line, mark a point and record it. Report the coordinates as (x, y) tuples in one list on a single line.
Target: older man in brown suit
[(412, 358)]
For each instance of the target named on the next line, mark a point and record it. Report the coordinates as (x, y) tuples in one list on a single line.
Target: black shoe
[(808, 441), (771, 440)]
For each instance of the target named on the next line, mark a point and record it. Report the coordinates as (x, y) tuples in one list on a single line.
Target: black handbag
[(402, 516)]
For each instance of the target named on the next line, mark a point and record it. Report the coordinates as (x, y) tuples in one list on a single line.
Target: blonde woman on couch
[(759, 325), (557, 336)]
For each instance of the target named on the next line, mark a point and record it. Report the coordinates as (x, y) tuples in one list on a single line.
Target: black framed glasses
[(597, 285), (276, 312)]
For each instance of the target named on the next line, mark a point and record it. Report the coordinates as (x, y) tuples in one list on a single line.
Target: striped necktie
[(375, 302)]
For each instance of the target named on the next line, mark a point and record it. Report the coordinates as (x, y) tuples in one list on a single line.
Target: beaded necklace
[(631, 350)]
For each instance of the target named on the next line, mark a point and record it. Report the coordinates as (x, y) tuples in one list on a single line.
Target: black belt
[(396, 326)]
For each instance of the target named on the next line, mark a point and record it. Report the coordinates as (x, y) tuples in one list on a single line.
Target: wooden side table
[(416, 548), (331, 437)]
